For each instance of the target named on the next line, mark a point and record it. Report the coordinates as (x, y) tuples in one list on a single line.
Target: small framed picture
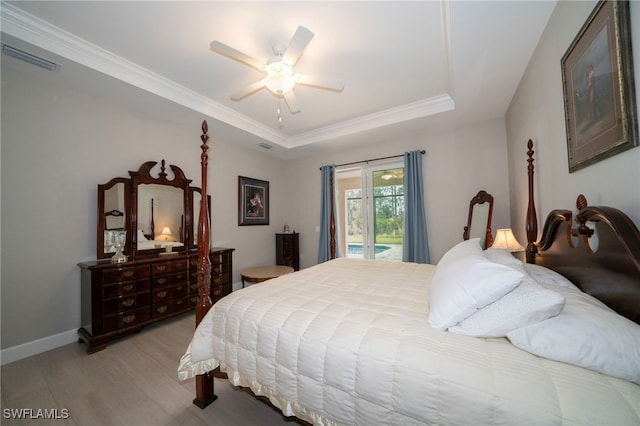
[(253, 201)]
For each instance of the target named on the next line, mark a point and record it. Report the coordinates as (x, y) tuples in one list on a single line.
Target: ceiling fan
[(279, 79)]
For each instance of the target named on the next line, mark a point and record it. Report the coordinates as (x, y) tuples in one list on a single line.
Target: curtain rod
[(374, 159)]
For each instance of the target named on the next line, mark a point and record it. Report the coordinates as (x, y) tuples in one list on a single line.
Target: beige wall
[(536, 112)]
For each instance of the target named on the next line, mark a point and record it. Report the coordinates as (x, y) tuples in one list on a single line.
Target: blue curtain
[(415, 247), (327, 208)]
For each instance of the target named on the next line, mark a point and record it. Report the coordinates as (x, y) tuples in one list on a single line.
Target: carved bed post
[(332, 224), (204, 382), (532, 220)]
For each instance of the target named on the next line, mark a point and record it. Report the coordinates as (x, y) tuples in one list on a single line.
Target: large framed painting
[(599, 90), (253, 201)]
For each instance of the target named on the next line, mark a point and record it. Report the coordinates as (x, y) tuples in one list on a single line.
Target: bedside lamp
[(505, 240), (166, 233)]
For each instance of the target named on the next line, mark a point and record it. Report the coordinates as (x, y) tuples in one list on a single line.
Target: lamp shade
[(166, 232), (505, 240)]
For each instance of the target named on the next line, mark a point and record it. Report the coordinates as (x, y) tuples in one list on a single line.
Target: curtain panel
[(415, 247)]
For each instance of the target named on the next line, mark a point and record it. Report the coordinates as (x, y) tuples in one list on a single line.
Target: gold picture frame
[(599, 89)]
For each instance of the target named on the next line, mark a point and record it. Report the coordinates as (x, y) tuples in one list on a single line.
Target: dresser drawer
[(169, 307), (168, 279), (170, 292), (219, 291), (218, 258), (169, 266), (219, 268), (125, 303), (125, 287), (125, 273), (215, 259), (125, 319), (218, 279)]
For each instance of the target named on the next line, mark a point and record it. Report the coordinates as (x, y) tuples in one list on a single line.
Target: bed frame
[(610, 272)]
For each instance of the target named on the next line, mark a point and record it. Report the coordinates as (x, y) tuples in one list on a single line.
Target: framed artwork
[(599, 90), (253, 201)]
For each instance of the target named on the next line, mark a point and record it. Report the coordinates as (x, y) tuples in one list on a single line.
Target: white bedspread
[(348, 342)]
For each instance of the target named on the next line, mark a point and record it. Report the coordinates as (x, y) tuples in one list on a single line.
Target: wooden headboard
[(599, 251)]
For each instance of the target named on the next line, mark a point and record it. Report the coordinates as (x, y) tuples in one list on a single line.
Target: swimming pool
[(356, 248)]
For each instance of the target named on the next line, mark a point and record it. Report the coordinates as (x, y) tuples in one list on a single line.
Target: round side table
[(264, 273)]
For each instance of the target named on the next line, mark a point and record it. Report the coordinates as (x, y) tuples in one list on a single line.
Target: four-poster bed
[(349, 341)]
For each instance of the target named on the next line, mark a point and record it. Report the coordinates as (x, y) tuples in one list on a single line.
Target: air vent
[(264, 145), (29, 58)]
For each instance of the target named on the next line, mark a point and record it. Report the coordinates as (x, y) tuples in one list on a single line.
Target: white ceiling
[(407, 66)]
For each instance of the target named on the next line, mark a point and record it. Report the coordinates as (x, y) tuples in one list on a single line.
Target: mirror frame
[(139, 177), (102, 221), (480, 198), (143, 177)]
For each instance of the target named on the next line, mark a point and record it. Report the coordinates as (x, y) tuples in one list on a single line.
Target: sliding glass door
[(373, 211)]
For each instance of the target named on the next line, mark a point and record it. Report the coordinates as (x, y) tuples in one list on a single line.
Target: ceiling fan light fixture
[(279, 77)]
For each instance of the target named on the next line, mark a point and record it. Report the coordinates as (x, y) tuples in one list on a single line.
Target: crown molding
[(376, 120)]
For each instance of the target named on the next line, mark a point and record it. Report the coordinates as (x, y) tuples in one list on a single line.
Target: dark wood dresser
[(120, 298), (287, 250)]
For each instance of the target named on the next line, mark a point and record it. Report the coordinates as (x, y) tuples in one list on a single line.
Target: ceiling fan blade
[(312, 80), (300, 40), (236, 55), (292, 102), (248, 90)]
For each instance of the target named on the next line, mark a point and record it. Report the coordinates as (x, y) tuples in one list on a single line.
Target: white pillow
[(465, 281), (546, 276), (502, 256), (587, 334), (526, 304)]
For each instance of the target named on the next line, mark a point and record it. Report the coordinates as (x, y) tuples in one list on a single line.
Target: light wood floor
[(132, 382)]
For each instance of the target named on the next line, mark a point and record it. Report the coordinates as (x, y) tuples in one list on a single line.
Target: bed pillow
[(587, 334), (465, 281), (141, 236), (546, 276), (502, 256), (528, 303)]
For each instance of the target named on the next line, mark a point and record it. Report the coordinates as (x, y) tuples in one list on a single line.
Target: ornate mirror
[(113, 213), (479, 221), (154, 206), (162, 207)]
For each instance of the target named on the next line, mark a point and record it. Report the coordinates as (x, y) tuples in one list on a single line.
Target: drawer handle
[(179, 277), (128, 287), (194, 299), (217, 291), (162, 280), (162, 267), (161, 294), (179, 302), (161, 309), (128, 302), (127, 273), (179, 288), (129, 318), (194, 286)]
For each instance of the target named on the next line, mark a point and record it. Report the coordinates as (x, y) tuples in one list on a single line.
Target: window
[(373, 211)]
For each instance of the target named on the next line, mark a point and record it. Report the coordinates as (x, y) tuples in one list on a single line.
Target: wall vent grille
[(29, 58)]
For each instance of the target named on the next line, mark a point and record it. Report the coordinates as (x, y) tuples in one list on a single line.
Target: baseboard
[(35, 347), (28, 349)]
